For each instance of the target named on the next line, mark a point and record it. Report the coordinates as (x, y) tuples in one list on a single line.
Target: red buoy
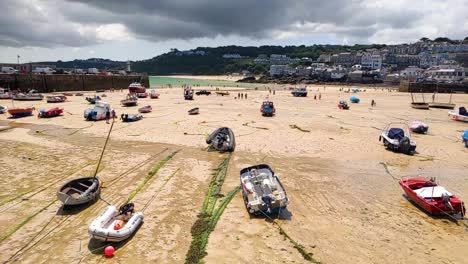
[(109, 251)]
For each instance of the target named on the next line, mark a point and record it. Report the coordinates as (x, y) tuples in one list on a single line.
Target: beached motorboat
[(30, 96), (188, 93), (56, 99), (79, 191), (194, 111), (222, 139), (397, 139), (203, 92), (343, 105), (20, 112), (98, 112), (130, 118), (136, 87), (267, 108), (262, 190), (145, 109), (420, 105), (460, 115), (52, 112), (418, 127), (93, 100), (129, 101), (222, 93), (299, 92), (154, 95), (79, 94), (141, 95), (431, 197), (354, 99), (5, 94), (116, 225), (465, 137), (67, 94), (3, 109)]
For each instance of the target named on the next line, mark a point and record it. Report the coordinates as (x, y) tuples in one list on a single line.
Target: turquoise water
[(159, 81)]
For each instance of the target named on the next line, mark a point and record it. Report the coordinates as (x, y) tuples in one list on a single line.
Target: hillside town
[(423, 61)]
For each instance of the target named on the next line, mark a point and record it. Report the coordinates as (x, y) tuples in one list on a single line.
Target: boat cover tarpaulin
[(465, 135), (432, 192), (396, 133), (462, 111)]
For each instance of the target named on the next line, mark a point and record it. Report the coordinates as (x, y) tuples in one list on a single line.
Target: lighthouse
[(128, 66)]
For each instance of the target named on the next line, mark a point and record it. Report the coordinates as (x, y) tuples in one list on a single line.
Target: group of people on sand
[(242, 96)]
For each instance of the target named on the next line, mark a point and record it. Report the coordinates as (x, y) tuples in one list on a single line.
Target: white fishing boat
[(460, 115), (262, 190), (398, 139)]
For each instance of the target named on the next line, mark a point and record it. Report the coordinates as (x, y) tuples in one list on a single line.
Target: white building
[(278, 70), (232, 56), (446, 73), (46, 70), (279, 59), (411, 73), (371, 61)]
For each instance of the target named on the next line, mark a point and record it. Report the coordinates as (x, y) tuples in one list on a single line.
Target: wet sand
[(345, 207)]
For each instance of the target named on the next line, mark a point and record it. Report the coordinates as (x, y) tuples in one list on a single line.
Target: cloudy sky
[(139, 29)]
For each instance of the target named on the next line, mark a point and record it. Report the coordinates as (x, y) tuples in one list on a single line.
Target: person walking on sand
[(373, 103), (113, 115), (315, 97), (238, 95), (320, 96), (245, 96), (107, 115), (274, 92)]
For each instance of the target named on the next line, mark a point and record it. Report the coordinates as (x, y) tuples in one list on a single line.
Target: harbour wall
[(47, 83), (422, 87)]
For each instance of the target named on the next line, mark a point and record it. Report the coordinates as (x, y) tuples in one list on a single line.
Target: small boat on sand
[(267, 108), (154, 95), (56, 99), (3, 109), (98, 112), (222, 93), (299, 92), (129, 101), (52, 112), (67, 94), (130, 118), (222, 139), (460, 115), (465, 137), (354, 99), (420, 105), (343, 105), (116, 225), (79, 191), (145, 109), (79, 94), (141, 95), (20, 112), (262, 190), (431, 197), (398, 140), (30, 96), (418, 127), (93, 100), (194, 111), (136, 87), (6, 95)]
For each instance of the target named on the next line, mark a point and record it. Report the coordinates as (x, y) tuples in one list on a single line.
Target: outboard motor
[(127, 208), (405, 145), (267, 200), (446, 199)]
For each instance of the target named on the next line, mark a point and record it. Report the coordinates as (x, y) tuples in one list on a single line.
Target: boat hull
[(442, 105), (222, 145), (97, 230), (23, 112), (457, 117), (422, 106), (72, 194)]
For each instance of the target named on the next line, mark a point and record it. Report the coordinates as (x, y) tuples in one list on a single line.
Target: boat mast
[(104, 148)]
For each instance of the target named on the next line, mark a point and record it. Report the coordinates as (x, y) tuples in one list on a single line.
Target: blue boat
[(267, 108), (354, 99), (465, 137)]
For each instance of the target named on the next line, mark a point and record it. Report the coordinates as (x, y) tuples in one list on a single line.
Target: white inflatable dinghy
[(115, 225)]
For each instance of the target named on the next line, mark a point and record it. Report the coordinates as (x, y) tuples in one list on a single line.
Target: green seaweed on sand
[(24, 222), (210, 213), (306, 255), (150, 175)]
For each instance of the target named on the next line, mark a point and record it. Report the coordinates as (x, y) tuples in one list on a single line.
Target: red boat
[(68, 94), (20, 112), (53, 112), (56, 99), (136, 87), (432, 198), (154, 95)]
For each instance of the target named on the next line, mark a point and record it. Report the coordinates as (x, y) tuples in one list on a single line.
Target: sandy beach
[(345, 202)]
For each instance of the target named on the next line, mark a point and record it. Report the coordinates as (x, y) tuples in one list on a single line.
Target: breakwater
[(47, 83)]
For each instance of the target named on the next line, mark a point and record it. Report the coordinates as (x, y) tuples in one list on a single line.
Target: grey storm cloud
[(71, 22)]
